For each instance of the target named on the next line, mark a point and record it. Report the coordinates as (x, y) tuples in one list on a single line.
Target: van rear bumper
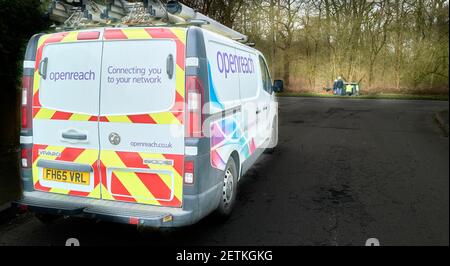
[(121, 212)]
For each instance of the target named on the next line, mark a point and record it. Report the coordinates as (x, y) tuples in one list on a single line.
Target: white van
[(151, 126)]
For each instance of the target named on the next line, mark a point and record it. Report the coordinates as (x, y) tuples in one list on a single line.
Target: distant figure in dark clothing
[(335, 87), (340, 86)]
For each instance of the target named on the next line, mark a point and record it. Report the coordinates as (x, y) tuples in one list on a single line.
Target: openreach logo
[(78, 76), (232, 63)]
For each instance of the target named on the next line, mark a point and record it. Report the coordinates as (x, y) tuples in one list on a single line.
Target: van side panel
[(232, 124)]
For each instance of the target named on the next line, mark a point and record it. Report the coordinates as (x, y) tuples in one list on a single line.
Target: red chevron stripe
[(70, 154), (120, 192), (39, 187), (95, 166), (61, 115), (142, 119), (114, 34), (78, 193), (131, 159), (36, 111), (36, 101), (103, 176), (103, 119)]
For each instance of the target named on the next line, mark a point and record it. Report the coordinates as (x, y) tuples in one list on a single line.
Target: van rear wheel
[(229, 190)]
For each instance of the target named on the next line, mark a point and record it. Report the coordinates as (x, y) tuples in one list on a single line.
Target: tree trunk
[(287, 67)]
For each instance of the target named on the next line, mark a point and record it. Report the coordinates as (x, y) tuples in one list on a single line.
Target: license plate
[(66, 176)]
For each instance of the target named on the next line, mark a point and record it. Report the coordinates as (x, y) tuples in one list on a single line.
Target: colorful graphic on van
[(226, 134), (214, 100)]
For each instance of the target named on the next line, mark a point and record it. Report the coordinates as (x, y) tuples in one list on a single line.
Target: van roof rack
[(78, 14)]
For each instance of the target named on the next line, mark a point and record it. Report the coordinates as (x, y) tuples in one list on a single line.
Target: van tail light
[(194, 105), (25, 157), (26, 108), (189, 172)]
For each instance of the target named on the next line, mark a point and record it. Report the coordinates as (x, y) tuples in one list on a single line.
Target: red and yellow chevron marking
[(156, 184), (174, 116), (125, 177), (81, 156)]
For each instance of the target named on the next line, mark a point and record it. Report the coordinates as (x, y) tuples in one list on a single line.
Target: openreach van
[(151, 126)]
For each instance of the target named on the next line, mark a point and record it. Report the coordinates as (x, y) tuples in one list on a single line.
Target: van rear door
[(141, 116), (65, 114)]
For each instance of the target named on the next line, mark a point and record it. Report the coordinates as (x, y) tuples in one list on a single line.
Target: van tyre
[(229, 190)]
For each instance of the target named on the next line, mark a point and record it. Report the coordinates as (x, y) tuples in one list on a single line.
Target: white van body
[(141, 125)]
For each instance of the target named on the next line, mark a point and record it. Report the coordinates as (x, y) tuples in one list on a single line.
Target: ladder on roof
[(77, 14)]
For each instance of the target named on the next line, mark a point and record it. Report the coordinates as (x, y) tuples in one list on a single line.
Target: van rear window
[(73, 77), (136, 78)]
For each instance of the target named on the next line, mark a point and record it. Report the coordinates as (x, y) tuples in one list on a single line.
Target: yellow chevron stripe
[(42, 39), (180, 80), (136, 188), (79, 117), (166, 118), (71, 37), (44, 114), (105, 192), (87, 157), (95, 193), (111, 159), (181, 34), (119, 119), (137, 33), (59, 191), (36, 81)]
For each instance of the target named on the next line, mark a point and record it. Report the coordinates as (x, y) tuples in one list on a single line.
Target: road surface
[(345, 170)]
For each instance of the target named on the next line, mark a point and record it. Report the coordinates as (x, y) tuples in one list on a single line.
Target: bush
[(19, 20)]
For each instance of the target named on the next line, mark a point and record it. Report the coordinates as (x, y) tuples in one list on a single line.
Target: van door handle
[(265, 108), (258, 111), (74, 135), (170, 66), (43, 68)]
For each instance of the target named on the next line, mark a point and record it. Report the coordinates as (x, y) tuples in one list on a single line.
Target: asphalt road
[(345, 170)]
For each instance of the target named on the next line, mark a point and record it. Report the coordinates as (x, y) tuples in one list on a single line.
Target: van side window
[(267, 83)]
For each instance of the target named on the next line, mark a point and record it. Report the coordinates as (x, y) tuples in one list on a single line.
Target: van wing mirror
[(170, 66), (278, 86)]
